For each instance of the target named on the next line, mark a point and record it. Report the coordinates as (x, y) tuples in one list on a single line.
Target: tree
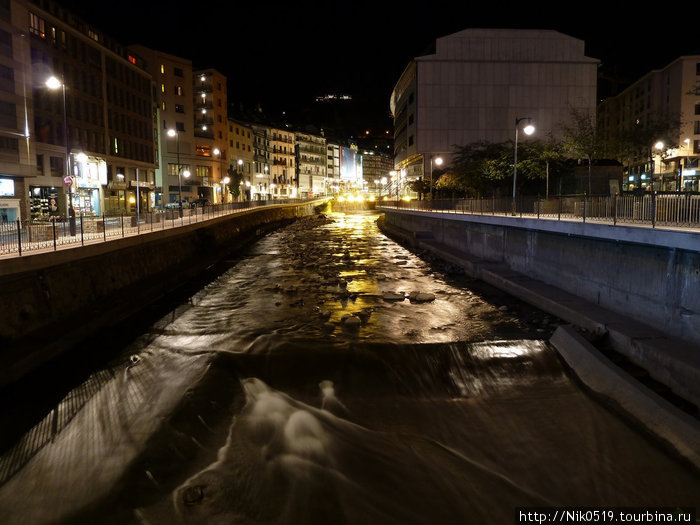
[(639, 139), (449, 183), (234, 184), (482, 167), (419, 186), (581, 138)]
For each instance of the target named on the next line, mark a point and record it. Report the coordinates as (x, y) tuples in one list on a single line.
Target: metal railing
[(657, 209), (21, 237)]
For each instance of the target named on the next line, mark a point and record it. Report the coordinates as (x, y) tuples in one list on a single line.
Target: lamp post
[(687, 164), (658, 146), (53, 83), (173, 133), (220, 154), (529, 130), (438, 161), (239, 171)]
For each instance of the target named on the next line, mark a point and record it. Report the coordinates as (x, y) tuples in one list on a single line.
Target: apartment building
[(332, 168), (210, 133), (94, 133), (282, 180), (478, 82), (174, 132), (672, 91), (311, 160), (241, 141)]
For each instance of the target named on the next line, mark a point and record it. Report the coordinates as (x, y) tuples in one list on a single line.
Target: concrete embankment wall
[(650, 276), (51, 301)]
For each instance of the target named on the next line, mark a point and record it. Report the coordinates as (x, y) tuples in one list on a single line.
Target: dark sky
[(269, 51)]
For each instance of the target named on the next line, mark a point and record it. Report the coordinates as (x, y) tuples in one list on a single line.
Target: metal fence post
[(584, 206), (53, 227), (122, 219), (615, 209), (653, 207), (19, 237), (82, 238)]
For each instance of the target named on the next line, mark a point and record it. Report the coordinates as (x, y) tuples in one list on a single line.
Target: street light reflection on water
[(307, 384)]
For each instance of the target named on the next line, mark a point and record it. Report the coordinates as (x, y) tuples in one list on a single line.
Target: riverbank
[(673, 360)]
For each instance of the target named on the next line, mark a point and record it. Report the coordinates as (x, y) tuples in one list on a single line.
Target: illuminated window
[(179, 108), (96, 37), (37, 26), (203, 150), (132, 59), (178, 91), (162, 69), (162, 88)]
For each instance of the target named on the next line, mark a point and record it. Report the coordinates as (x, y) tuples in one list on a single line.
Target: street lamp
[(53, 83), (687, 164), (173, 133), (529, 130), (220, 154), (438, 161), (658, 146)]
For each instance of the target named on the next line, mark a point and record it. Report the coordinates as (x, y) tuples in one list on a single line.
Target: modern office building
[(93, 133), (377, 167), (478, 82), (672, 91), (18, 160)]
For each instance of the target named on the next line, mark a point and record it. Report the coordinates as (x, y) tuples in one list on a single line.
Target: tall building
[(478, 82), (281, 181), (18, 158), (673, 90), (174, 131), (377, 167), (241, 139), (311, 159), (210, 133), (332, 168), (93, 135)]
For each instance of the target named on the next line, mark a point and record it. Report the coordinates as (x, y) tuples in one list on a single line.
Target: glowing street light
[(53, 83), (529, 130), (174, 133), (438, 162)]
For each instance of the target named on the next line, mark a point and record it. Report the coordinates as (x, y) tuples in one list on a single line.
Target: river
[(331, 376)]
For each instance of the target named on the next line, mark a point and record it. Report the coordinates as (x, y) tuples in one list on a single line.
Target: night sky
[(363, 47)]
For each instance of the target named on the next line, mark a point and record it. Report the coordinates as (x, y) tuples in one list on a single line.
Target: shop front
[(44, 203), (9, 201), (90, 176)]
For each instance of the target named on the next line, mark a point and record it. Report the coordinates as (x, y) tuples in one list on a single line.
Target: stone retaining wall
[(50, 301)]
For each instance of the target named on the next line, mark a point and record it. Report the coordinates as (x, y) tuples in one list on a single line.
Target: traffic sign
[(67, 181)]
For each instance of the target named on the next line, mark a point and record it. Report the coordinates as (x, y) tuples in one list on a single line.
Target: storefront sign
[(7, 188)]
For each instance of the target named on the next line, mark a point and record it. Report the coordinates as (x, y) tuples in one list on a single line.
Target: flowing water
[(331, 376)]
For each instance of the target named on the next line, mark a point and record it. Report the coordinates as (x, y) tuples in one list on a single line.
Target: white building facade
[(478, 82)]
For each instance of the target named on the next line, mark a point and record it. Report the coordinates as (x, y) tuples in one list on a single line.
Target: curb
[(660, 417)]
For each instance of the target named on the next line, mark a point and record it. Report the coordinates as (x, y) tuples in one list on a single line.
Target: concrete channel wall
[(51, 301), (651, 276)]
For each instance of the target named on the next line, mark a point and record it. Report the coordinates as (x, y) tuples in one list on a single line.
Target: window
[(37, 26), (180, 126), (56, 165), (410, 140), (696, 146), (179, 108), (40, 164), (162, 88), (178, 72), (162, 69), (697, 68), (202, 171), (696, 128), (697, 108)]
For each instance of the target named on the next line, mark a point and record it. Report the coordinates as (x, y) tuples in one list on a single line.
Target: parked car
[(198, 203), (176, 205)]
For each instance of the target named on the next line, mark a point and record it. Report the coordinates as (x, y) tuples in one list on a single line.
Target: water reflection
[(259, 402)]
